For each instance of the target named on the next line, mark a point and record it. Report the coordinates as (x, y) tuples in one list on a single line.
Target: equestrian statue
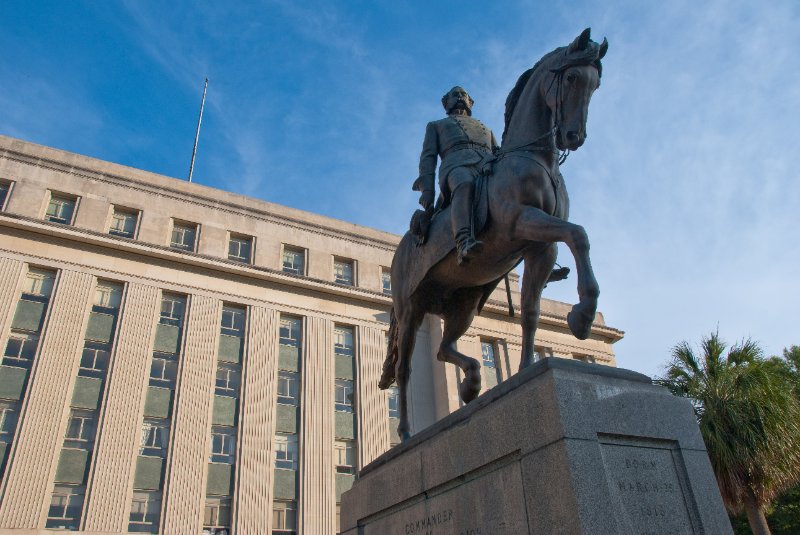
[(498, 206)]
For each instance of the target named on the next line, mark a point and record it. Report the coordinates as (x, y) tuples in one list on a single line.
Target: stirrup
[(468, 249)]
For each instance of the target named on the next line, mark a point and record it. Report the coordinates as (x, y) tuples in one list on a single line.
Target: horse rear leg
[(537, 271), (535, 225), (407, 325), (460, 311)]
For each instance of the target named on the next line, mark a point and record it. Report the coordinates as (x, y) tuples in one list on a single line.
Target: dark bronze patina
[(519, 213)]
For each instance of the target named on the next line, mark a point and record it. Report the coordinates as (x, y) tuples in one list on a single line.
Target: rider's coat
[(460, 141)]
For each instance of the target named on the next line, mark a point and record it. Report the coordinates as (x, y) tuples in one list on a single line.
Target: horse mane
[(589, 56)]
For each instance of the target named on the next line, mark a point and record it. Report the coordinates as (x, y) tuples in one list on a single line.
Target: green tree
[(749, 416)]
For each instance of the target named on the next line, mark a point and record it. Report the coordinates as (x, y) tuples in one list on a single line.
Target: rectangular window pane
[(286, 451), (343, 341), (39, 282), (343, 391), (145, 512), (60, 209), (108, 294), (386, 281), (123, 223), (233, 320), (80, 429), (288, 387), (343, 272), (223, 444), (284, 517), (229, 380), (4, 189), (240, 248), (294, 260), (20, 350), (217, 515), (66, 505), (394, 402), (154, 438), (487, 350), (290, 331), (9, 412), (172, 309), (183, 236), (344, 454)]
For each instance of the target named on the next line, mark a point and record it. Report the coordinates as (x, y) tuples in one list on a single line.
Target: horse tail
[(388, 375)]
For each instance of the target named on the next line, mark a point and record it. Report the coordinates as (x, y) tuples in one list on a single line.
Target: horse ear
[(603, 48), (580, 42)]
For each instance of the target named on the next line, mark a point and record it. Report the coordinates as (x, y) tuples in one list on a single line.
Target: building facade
[(180, 359)]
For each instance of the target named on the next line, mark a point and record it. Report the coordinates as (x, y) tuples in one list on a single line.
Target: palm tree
[(749, 417)]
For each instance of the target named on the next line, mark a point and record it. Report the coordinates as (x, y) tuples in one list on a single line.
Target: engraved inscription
[(646, 484), (471, 508)]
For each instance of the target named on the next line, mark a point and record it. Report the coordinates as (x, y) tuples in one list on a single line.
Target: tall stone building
[(180, 359)]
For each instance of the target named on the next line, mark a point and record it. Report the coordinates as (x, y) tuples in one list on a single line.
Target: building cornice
[(263, 210)]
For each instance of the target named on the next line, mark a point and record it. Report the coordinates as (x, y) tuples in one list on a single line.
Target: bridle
[(533, 146)]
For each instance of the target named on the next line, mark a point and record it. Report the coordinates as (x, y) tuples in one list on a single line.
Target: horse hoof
[(469, 390), (580, 322), (405, 435)]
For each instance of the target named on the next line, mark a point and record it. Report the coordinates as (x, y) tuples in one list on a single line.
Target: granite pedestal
[(563, 447)]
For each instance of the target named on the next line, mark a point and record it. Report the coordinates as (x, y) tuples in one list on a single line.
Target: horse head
[(561, 85), (576, 78)]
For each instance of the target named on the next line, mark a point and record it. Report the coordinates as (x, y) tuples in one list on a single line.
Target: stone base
[(563, 447)]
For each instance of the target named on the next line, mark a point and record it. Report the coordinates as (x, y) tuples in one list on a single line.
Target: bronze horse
[(527, 214)]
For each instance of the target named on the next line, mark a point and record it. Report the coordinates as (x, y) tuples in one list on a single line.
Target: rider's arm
[(427, 160)]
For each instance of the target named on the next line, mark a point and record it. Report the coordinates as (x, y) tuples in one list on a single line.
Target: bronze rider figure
[(462, 143)]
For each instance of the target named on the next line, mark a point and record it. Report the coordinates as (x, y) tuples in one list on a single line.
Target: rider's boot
[(461, 219)]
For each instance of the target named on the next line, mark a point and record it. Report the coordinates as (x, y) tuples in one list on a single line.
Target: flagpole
[(197, 134)]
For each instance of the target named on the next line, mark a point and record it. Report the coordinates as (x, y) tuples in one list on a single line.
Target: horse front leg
[(535, 225), (537, 271), (406, 339)]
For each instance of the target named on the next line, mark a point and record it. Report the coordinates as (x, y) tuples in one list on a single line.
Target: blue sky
[(686, 184)]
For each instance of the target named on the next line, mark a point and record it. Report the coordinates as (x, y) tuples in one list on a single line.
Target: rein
[(533, 145)]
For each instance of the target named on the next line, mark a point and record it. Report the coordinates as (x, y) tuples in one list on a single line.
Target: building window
[(107, 295), (386, 281), (344, 454), (294, 260), (589, 359), (217, 515), (9, 412), (394, 402), (163, 370), (343, 341), (5, 187), (240, 248), (65, 507), (38, 283), (344, 395), (487, 350), (229, 379), (343, 272), (286, 451), (223, 444), (284, 517), (288, 383), (172, 309), (94, 361), (145, 512), (290, 332), (184, 236), (60, 209), (123, 222), (80, 430), (155, 437), (232, 321), (20, 350)]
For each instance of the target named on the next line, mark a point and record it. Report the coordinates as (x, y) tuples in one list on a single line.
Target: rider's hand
[(426, 199)]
